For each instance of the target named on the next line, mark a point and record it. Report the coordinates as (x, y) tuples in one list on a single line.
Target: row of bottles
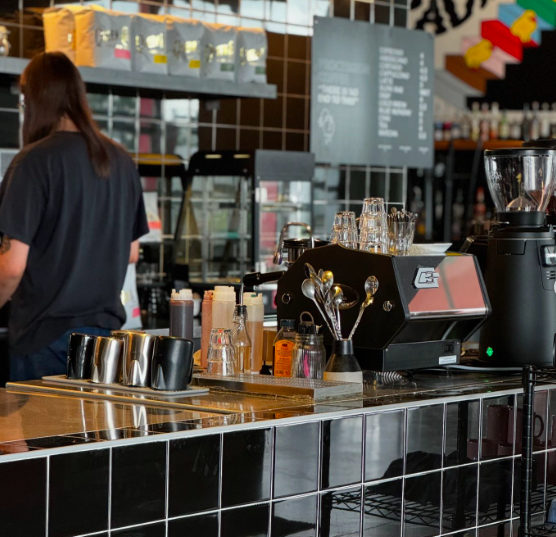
[(486, 123)]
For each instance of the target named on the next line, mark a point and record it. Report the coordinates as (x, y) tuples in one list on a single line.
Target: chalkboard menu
[(371, 94)]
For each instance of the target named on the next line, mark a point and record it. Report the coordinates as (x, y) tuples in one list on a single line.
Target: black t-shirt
[(79, 227)]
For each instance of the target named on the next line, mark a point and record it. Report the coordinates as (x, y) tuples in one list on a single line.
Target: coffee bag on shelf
[(103, 39), (252, 51), (219, 52), (185, 47), (59, 29), (150, 38)]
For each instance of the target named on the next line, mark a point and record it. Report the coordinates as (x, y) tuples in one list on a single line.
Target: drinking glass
[(400, 237), (373, 228), (344, 230), (221, 356)]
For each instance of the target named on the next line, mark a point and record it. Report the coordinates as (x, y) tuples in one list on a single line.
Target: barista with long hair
[(71, 214)]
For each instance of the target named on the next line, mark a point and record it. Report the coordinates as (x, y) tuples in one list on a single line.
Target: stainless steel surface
[(317, 390), (292, 255), (137, 360), (120, 388), (107, 360)]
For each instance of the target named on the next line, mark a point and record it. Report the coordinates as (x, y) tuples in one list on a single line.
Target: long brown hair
[(53, 89)]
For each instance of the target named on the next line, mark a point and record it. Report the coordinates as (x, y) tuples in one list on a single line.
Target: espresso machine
[(520, 261), (423, 308)]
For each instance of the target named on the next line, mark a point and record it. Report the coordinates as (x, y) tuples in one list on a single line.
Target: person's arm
[(13, 260), (134, 253)]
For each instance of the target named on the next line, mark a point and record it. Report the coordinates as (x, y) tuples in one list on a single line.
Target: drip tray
[(318, 390), (120, 388)]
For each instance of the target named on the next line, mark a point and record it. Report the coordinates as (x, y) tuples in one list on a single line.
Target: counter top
[(31, 419)]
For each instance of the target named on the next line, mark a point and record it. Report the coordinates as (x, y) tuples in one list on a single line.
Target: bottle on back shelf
[(181, 314), (283, 348), (553, 121), (223, 305), (456, 129), (255, 322), (545, 121), (495, 122), (447, 131), (535, 128), (484, 125), (475, 122), (526, 124), (466, 126), (504, 128)]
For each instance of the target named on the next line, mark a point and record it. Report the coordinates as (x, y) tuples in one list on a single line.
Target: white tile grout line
[(220, 480), (167, 487), (110, 458), (47, 517)]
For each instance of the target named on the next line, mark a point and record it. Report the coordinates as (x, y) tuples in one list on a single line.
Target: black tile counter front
[(417, 463)]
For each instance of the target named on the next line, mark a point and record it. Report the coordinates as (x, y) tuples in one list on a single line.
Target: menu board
[(371, 94)]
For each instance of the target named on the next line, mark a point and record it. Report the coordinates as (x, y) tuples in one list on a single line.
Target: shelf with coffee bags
[(155, 84)]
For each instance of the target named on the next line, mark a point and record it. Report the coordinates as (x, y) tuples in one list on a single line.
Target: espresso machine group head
[(520, 270)]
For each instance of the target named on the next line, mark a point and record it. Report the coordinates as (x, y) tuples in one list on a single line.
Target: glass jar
[(309, 356)]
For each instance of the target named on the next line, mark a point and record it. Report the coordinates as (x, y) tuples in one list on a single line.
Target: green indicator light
[(490, 351)]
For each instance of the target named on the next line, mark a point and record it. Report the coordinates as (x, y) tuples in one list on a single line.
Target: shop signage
[(371, 94)]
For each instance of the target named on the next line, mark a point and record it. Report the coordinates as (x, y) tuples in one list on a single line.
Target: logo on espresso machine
[(426, 278)]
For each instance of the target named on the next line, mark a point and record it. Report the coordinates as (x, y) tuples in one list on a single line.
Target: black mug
[(172, 363), (80, 356)]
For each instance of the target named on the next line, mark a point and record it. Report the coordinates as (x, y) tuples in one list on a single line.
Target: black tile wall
[(295, 517), (384, 445), (341, 451), (340, 513), (246, 466), (150, 530), (495, 491), (422, 505), (296, 459), (498, 427), (462, 433), (459, 495), (245, 521), (78, 497), (424, 438), (194, 475), (138, 484), (201, 525), (382, 515), (23, 497)]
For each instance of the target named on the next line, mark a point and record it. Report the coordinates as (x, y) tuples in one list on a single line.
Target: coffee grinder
[(520, 273)]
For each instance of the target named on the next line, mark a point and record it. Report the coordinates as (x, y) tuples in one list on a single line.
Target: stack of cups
[(401, 231), (344, 230), (373, 226)]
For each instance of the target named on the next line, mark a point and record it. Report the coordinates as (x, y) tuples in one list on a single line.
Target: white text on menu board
[(391, 73), (424, 93)]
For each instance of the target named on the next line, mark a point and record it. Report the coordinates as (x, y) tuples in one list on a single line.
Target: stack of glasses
[(373, 230), (378, 232), (344, 230)]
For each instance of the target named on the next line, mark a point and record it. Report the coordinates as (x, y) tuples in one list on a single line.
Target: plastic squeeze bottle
[(206, 326), (223, 305), (255, 319), (181, 314)]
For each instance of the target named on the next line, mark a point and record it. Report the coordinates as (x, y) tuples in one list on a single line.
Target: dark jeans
[(48, 361)]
